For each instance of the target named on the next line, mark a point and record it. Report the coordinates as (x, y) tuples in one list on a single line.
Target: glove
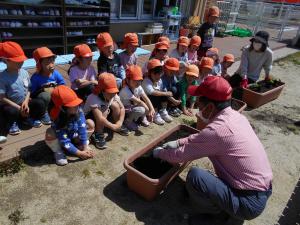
[(171, 144), (156, 151), (244, 83), (268, 78)]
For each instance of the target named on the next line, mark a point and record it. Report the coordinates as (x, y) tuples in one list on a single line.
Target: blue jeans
[(211, 195)]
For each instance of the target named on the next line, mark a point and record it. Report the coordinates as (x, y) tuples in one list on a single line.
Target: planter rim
[(267, 92)]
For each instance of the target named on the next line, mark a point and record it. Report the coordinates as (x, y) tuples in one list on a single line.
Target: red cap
[(134, 72), (130, 38), (162, 45), (183, 41), (106, 83), (213, 87), (103, 40), (228, 58), (195, 40), (172, 64), (63, 96), (40, 53), (153, 63), (12, 51), (82, 50)]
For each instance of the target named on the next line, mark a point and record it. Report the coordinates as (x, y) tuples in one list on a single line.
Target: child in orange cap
[(192, 50), (69, 131), (158, 96), (15, 102), (130, 44), (208, 30), (214, 54), (104, 101), (136, 102), (169, 80), (82, 73), (109, 61), (205, 68), (45, 79), (228, 60), (165, 39)]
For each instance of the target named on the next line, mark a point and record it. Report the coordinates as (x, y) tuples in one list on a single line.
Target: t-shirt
[(39, 81), (113, 66), (192, 57), (15, 86), (175, 54), (183, 87), (94, 101), (169, 82), (207, 33), (126, 94), (149, 87), (77, 73), (128, 59), (217, 69)]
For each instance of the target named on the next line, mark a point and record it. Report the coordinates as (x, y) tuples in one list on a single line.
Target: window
[(147, 9), (128, 8)]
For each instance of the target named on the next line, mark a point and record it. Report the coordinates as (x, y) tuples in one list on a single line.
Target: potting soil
[(264, 86), (235, 105)]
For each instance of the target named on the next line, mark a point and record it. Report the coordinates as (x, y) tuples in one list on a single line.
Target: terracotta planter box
[(150, 187), (236, 104), (256, 99)]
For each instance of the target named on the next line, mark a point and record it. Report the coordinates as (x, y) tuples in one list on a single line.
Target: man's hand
[(171, 144)]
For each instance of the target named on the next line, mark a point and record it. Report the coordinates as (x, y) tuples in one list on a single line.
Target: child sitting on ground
[(192, 50), (130, 44), (109, 61), (214, 54), (205, 68), (44, 79), (153, 87), (169, 80), (70, 131), (136, 102), (15, 102), (165, 39), (190, 78), (98, 106), (228, 60), (82, 73)]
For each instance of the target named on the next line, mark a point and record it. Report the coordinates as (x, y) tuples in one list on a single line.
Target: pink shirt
[(77, 73), (234, 149), (192, 57)]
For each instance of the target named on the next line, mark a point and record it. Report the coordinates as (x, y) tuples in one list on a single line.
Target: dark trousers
[(84, 92), (157, 101), (201, 53), (45, 97), (235, 81), (211, 195)]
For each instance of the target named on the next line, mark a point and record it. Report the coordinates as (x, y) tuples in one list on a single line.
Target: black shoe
[(297, 123), (99, 141), (123, 131)]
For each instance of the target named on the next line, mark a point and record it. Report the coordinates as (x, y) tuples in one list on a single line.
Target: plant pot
[(236, 104), (142, 184), (256, 99)]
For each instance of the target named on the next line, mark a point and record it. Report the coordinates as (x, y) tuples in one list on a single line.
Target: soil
[(236, 105), (264, 86)]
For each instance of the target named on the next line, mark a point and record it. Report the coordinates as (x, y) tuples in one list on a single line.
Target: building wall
[(118, 30)]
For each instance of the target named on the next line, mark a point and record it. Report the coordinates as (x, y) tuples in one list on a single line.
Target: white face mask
[(257, 46), (204, 120)]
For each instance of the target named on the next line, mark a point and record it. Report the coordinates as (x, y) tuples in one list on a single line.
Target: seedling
[(100, 173), (16, 217), (85, 173), (125, 149), (187, 122)]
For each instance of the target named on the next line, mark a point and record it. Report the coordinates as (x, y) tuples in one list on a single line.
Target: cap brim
[(87, 55), (74, 103), (194, 90), (111, 90), (259, 39), (183, 44), (171, 68), (162, 48), (207, 67), (21, 58), (192, 74)]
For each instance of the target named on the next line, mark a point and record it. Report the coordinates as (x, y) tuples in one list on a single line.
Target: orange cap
[(40, 53), (163, 45), (82, 50), (192, 70), (214, 11), (63, 96), (207, 62), (165, 39), (12, 51), (195, 40), (212, 51), (106, 83), (228, 58), (153, 63), (172, 64), (103, 40), (134, 72), (183, 41), (130, 38)]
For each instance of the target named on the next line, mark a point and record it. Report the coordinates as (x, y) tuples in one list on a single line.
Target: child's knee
[(90, 125)]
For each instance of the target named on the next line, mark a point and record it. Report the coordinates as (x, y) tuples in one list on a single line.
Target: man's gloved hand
[(171, 144), (156, 151), (244, 83)]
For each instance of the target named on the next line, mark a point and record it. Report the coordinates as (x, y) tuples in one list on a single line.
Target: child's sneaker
[(158, 120), (60, 158), (98, 140), (132, 126), (145, 122), (14, 129), (173, 112), (178, 111), (45, 119), (33, 123), (2, 139), (123, 131), (165, 116)]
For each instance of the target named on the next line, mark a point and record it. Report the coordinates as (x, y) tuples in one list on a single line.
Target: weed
[(85, 173), (13, 167), (125, 149), (294, 58), (93, 162), (293, 129), (43, 220), (16, 217), (187, 122), (100, 173)]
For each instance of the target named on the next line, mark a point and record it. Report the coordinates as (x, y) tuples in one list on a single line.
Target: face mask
[(204, 120), (257, 46)]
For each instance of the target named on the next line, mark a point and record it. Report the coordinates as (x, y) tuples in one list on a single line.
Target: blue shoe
[(14, 129), (33, 123), (45, 119)]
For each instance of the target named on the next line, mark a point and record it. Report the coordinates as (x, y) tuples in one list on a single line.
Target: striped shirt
[(230, 143)]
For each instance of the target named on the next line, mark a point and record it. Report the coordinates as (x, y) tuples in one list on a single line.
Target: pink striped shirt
[(230, 143)]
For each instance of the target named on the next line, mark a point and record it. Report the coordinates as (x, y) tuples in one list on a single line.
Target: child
[(136, 102), (205, 68), (228, 60), (98, 105), (82, 73), (190, 77), (69, 131), (109, 61), (192, 50), (208, 30), (130, 44), (44, 79), (15, 102), (169, 80), (165, 39), (153, 87), (214, 54)]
